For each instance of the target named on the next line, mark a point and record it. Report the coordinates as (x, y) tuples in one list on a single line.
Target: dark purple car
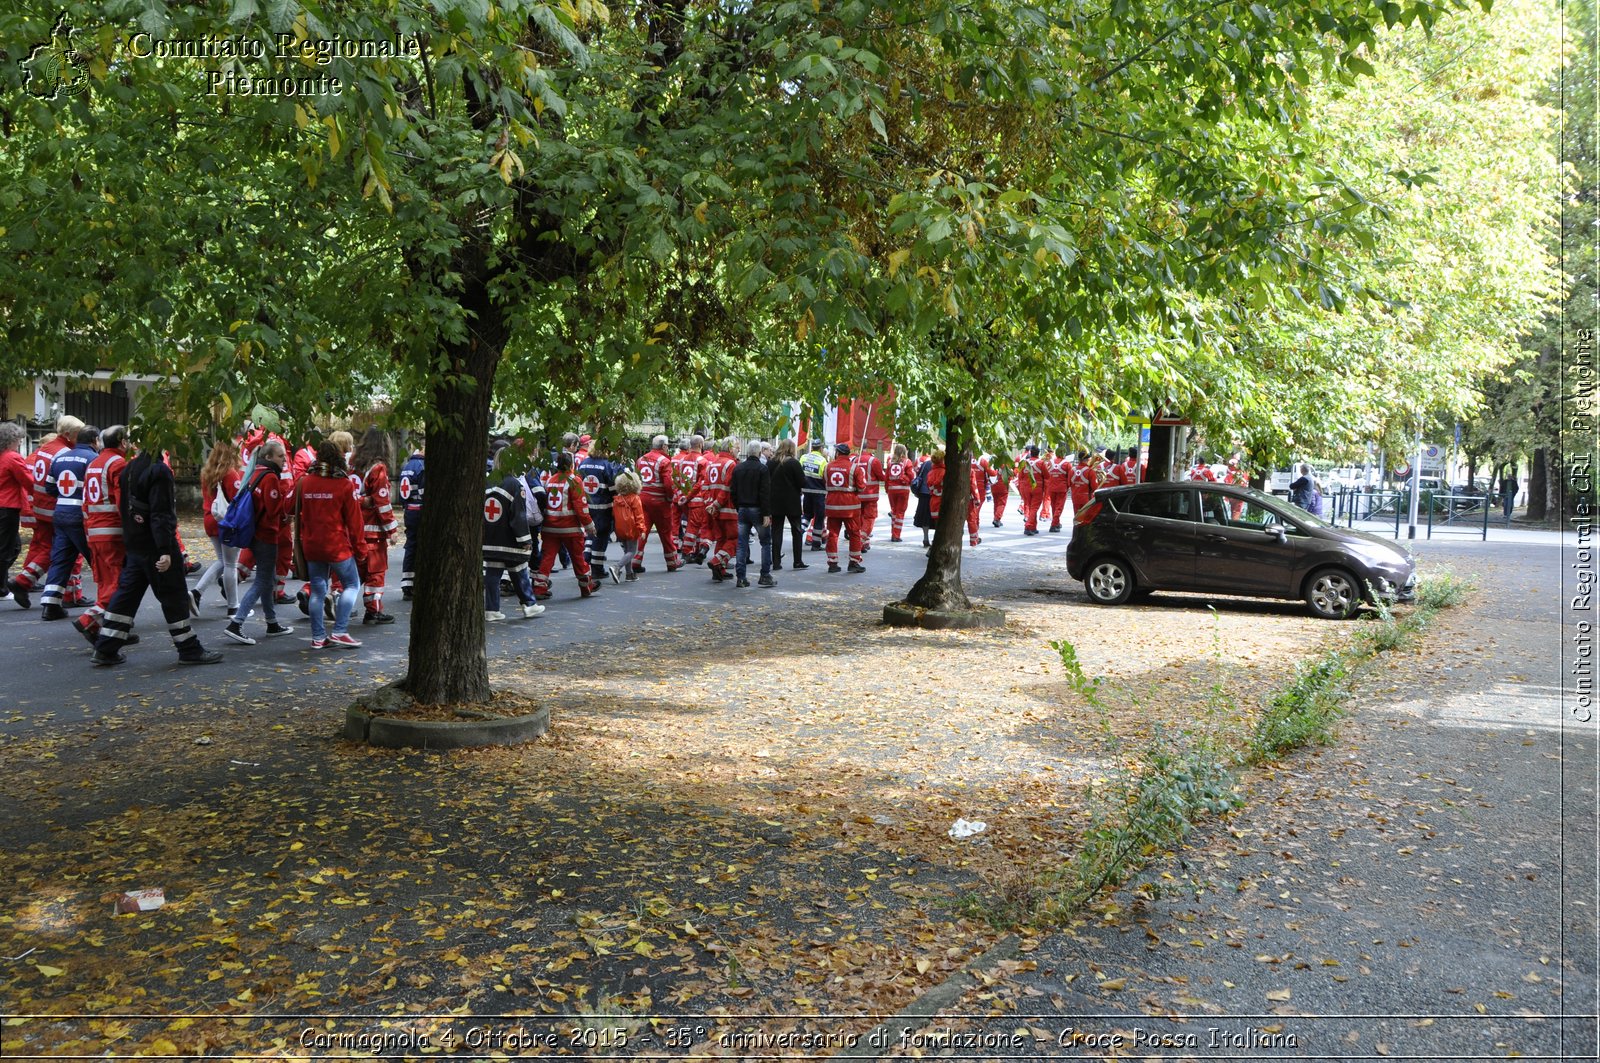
[(1225, 539)]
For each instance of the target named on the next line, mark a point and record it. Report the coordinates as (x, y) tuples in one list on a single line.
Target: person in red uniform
[(845, 481), (898, 473), (999, 480), (371, 463), (979, 490), (37, 563), (688, 467), (1202, 471), (331, 535), (264, 482), (872, 488), (935, 484), (722, 517), (1060, 480), (565, 528), (16, 497), (1030, 487), (1132, 471), (1083, 481), (655, 494), (102, 525)]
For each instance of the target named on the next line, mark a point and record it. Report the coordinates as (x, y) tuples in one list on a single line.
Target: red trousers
[(1001, 493), (1081, 499), (376, 574), (851, 523), (552, 543), (661, 515), (899, 498), (106, 555), (698, 533), (724, 530), (1058, 506), (973, 511), (37, 562), (868, 517)]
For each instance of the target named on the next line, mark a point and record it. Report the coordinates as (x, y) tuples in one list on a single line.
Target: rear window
[(1170, 505)]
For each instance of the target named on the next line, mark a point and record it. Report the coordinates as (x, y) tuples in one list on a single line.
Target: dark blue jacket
[(599, 476), (412, 478), (65, 483)]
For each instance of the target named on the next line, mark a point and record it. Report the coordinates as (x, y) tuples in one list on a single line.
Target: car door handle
[(1216, 538), (1132, 533)]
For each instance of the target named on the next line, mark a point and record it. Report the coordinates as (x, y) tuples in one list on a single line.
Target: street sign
[(1432, 459)]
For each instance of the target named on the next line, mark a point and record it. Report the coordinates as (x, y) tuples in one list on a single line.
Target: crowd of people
[(326, 513)]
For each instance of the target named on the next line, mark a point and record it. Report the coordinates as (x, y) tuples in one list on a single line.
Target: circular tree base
[(370, 720), (899, 614)]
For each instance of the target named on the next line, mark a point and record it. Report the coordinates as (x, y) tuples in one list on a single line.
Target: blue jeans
[(750, 517), (350, 577), (491, 586), (264, 587)]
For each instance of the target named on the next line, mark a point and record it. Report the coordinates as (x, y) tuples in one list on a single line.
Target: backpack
[(237, 527), (919, 483)]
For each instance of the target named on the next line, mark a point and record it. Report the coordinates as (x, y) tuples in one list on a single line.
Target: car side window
[(1214, 507), (1255, 515), (1169, 505)]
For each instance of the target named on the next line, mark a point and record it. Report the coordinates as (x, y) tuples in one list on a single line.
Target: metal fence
[(1387, 512)]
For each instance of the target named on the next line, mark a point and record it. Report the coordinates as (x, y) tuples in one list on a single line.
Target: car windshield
[(1289, 509)]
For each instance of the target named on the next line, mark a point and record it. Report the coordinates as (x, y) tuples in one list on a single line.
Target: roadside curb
[(876, 1042)]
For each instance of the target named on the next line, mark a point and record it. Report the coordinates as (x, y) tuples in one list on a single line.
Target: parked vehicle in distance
[(1225, 539)]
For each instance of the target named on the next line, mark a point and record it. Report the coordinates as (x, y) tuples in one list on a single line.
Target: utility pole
[(1416, 488)]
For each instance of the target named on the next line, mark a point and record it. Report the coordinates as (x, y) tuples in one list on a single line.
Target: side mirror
[(1277, 531)]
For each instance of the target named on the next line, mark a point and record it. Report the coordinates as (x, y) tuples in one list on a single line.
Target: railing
[(1387, 511)]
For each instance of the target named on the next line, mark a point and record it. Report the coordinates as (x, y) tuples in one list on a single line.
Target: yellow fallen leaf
[(922, 966), (163, 1047), (1114, 984), (49, 971), (1278, 994)]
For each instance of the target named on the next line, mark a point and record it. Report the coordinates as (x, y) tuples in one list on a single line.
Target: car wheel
[(1108, 581), (1333, 594)]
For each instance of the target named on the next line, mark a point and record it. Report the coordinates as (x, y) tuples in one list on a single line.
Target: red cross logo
[(405, 488), (647, 473), (492, 510), (66, 483), (591, 483), (93, 491)]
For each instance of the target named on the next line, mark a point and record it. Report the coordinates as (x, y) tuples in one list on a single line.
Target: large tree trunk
[(447, 661), (1537, 488), (940, 585)]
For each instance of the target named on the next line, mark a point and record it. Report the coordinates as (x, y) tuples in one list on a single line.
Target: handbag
[(219, 505)]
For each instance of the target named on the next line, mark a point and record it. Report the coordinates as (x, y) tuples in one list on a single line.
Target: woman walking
[(220, 476), (330, 536), (16, 494), (788, 502), (371, 463), (263, 480), (506, 537)]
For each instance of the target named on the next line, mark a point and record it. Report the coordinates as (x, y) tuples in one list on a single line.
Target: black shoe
[(405, 593), (816, 546), (200, 657), (856, 567), (91, 632), (20, 593), (1055, 527), (279, 629), (799, 565), (132, 639), (53, 612), (282, 599), (833, 567), (1030, 531), (639, 569), (741, 583), (106, 660), (372, 616), (766, 581), (994, 524), (191, 567), (777, 566), (302, 598), (233, 634), (718, 576)]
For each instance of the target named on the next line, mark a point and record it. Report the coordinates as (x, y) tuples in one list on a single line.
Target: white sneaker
[(531, 610), (616, 573), (490, 616)]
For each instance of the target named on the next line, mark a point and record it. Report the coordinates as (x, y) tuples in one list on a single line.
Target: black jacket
[(788, 481), (752, 486), (149, 508)]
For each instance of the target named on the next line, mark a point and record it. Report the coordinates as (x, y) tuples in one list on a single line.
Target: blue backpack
[(238, 526)]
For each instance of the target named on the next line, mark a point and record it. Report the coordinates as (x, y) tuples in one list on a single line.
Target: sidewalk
[(1423, 888)]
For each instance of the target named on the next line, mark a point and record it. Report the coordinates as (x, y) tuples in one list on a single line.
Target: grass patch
[(1149, 804)]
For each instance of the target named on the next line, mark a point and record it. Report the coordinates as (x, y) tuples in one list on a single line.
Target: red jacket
[(845, 480), (687, 466), (979, 477), (272, 504), (655, 477), (627, 513), (1058, 473), (102, 494), (230, 489), (935, 482), (872, 471), (718, 481), (898, 474), (376, 511), (44, 503), (16, 482), (566, 505), (330, 518)]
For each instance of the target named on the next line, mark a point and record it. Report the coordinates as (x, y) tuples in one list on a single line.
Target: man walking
[(752, 497), (148, 501)]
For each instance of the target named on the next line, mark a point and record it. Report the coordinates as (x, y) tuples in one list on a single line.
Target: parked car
[(1221, 539)]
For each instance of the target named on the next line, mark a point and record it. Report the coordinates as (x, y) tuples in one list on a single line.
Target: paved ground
[(1424, 888), (744, 801)]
